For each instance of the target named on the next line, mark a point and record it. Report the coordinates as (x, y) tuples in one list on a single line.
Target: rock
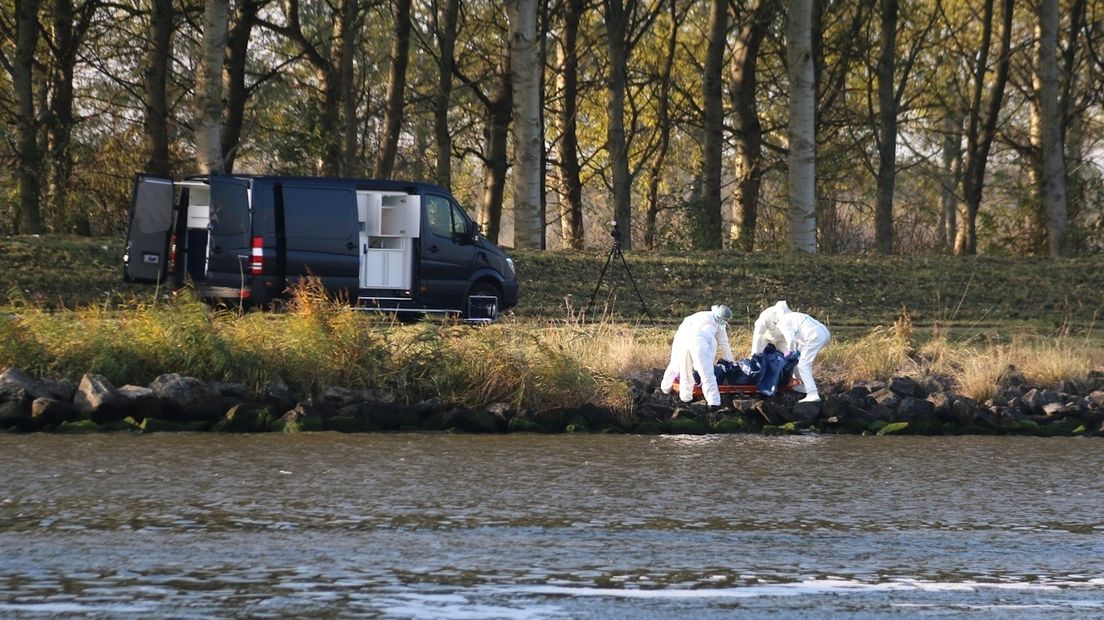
[(1011, 380), (157, 425), (554, 420), (391, 417), (470, 421), (598, 417), (903, 386), (735, 423), (893, 428), (243, 418), (861, 389), (523, 424), (187, 397), (884, 403), (654, 411), (79, 427), (49, 412), (686, 425), (235, 391), (941, 405), (1036, 400), (334, 398), (276, 393), (788, 428), (140, 401), (15, 379), (803, 414), (299, 419), (97, 399), (651, 427), (919, 414), (1096, 397), (771, 412), (15, 408)]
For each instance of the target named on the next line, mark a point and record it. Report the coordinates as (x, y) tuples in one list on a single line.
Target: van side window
[(319, 212), (459, 221), (439, 214)]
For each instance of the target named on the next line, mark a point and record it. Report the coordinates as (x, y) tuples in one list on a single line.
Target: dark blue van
[(387, 245)]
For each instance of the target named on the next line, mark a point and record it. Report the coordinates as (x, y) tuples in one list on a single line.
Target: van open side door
[(229, 244), (147, 247)]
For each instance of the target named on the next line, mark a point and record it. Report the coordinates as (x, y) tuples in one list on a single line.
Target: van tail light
[(172, 253), (256, 259)]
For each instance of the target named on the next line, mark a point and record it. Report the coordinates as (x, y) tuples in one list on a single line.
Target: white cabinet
[(384, 269), (389, 225)]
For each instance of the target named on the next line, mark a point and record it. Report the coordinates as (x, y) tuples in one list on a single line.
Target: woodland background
[(931, 126)]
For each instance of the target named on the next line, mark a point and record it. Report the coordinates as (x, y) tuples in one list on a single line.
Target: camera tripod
[(615, 250)]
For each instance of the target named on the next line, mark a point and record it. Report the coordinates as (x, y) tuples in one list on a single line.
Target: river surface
[(565, 526)]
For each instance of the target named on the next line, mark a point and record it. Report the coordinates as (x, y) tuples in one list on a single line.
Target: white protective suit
[(766, 328), (807, 336), (695, 348)]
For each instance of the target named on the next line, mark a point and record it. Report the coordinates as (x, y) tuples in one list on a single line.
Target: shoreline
[(903, 405)]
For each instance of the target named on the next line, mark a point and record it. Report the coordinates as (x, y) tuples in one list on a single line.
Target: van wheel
[(479, 303)]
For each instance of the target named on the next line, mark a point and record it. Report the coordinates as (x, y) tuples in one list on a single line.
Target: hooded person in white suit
[(766, 328), (695, 348), (807, 336)]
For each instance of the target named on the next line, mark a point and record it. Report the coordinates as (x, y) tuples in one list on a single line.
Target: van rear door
[(229, 243), (147, 248)]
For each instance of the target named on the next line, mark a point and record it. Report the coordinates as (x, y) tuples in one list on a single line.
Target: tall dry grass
[(318, 342)]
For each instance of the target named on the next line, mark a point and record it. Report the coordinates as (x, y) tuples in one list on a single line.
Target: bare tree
[(526, 66), (156, 83), (396, 89), (1053, 188), (981, 124), (208, 90), (445, 33), (802, 127), (21, 67), (709, 234), (571, 185), (748, 129)]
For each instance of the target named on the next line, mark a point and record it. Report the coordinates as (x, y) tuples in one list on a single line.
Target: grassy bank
[(962, 318), (983, 294), (536, 364)]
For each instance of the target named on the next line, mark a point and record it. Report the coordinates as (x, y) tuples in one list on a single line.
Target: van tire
[(483, 289)]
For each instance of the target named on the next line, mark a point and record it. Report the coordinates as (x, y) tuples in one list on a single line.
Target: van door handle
[(350, 245), (433, 249)]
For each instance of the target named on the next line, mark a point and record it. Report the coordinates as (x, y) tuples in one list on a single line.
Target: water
[(520, 526)]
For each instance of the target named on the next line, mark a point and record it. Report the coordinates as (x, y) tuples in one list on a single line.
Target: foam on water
[(808, 587)]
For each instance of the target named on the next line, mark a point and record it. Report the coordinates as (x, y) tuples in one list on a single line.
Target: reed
[(318, 342)]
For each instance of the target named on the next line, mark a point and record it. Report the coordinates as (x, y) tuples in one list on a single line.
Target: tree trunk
[(616, 144), (349, 40), (748, 130), (396, 90), (236, 92), (982, 129), (156, 79), (1053, 190), (887, 133), (571, 185), (28, 219), (802, 129), (663, 126), (68, 32), (446, 42), (525, 63), (951, 173), (208, 95), (709, 230), (499, 108)]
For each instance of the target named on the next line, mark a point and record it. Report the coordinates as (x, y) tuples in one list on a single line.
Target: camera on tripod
[(615, 232)]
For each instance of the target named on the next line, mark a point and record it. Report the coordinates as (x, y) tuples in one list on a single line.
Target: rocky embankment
[(902, 406)]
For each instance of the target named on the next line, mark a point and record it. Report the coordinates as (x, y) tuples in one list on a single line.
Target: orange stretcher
[(738, 390)]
